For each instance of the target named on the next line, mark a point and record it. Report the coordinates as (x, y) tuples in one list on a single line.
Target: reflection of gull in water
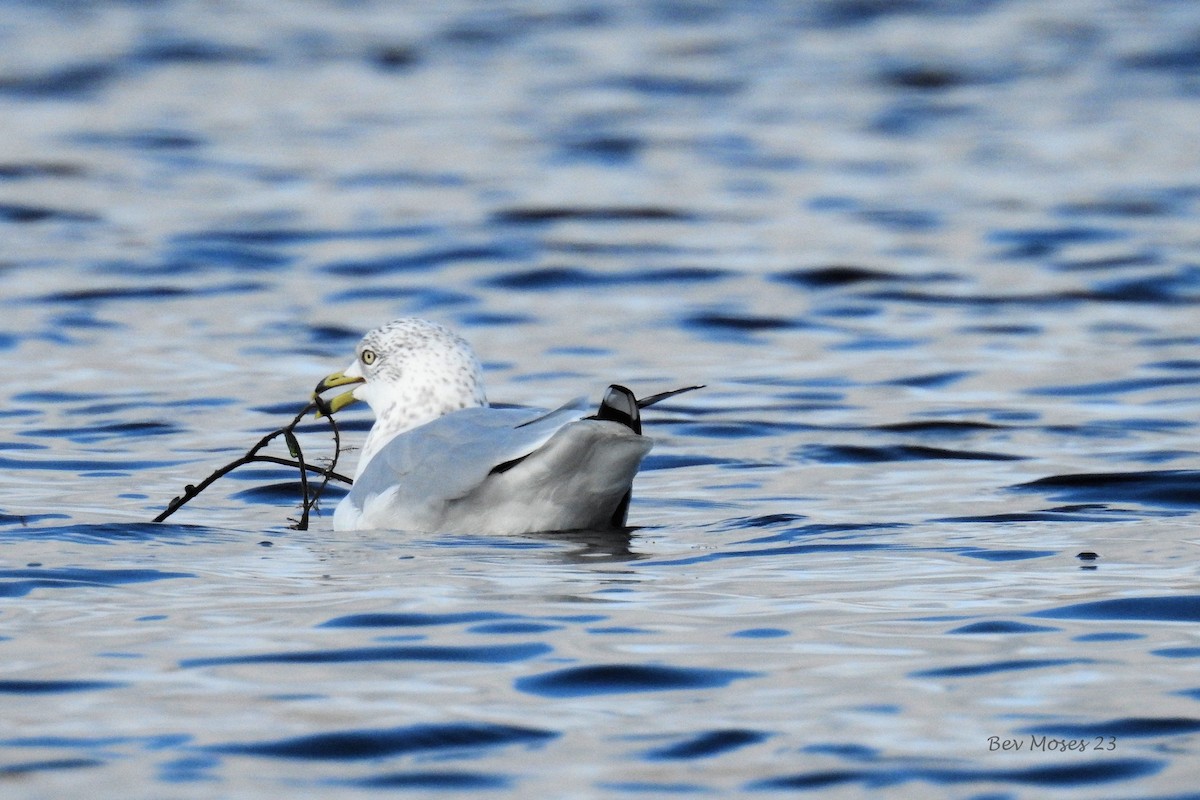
[(438, 458)]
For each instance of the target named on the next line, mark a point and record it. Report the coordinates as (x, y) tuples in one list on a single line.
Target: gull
[(439, 458)]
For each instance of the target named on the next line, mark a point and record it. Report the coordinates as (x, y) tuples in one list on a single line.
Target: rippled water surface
[(930, 530)]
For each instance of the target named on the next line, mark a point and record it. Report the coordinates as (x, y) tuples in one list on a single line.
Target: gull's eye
[(368, 357)]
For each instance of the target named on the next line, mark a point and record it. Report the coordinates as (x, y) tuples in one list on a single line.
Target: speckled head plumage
[(410, 371)]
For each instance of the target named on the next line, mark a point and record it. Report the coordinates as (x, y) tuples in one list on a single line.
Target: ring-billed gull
[(439, 458)]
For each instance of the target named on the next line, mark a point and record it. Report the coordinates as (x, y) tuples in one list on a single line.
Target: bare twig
[(310, 497), (323, 407)]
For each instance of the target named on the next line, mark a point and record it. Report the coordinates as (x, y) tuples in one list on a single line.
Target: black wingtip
[(646, 402), (620, 405)]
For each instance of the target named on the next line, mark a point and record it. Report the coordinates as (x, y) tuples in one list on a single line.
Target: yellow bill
[(339, 401)]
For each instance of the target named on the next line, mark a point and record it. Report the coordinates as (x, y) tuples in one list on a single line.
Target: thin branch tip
[(310, 495)]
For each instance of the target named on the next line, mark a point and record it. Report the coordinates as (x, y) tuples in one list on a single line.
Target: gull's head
[(409, 371)]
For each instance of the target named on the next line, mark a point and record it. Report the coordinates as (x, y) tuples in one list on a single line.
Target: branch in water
[(310, 496)]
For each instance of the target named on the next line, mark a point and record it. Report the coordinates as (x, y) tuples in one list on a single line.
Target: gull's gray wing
[(447, 458)]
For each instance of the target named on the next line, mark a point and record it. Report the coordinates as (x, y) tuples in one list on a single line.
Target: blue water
[(928, 531)]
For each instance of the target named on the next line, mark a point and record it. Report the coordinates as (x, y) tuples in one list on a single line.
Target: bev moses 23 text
[(1051, 744)]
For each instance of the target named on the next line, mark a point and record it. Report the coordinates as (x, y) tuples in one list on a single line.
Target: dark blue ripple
[(761, 633), (1182, 59), (164, 741), (175, 49), (837, 276), (22, 213), (70, 82), (934, 380), (848, 751), (652, 788), (216, 255), (1001, 626), (1114, 387), (707, 745), (382, 742), (1154, 290), (391, 178), (843, 275), (1170, 608), (1177, 652), (867, 343), (20, 582), (1055, 775), (99, 433), (914, 115), (1041, 242), (901, 219), (679, 86), (298, 236), (492, 654), (39, 169), (1177, 287), (792, 533), (1162, 488), (603, 148), (775, 520), (25, 687), (623, 678), (90, 533), (332, 335), (1024, 516), (940, 427), (149, 293), (545, 279), (481, 319), (822, 779), (552, 278), (142, 140), (48, 765), (1152, 203), (188, 769), (440, 781), (860, 454), (934, 76), (987, 554), (743, 429), (848, 13), (1125, 727), (514, 628), (80, 464), (1108, 637), (1122, 428), (992, 667), (421, 298), (1141, 259), (534, 215), (770, 552), (1185, 364), (723, 323), (741, 153)]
